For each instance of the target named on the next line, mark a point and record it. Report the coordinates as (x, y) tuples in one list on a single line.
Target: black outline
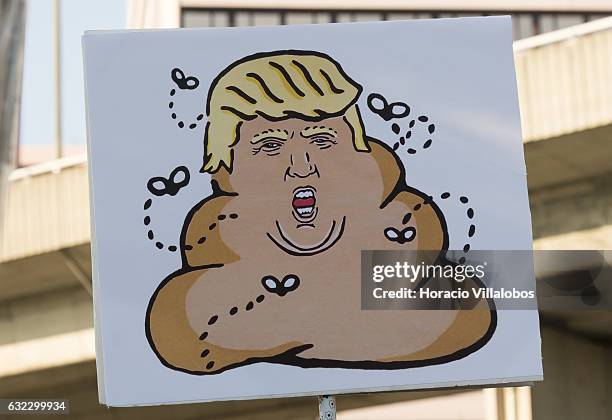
[(171, 187), (237, 113), (242, 94), (310, 251), (286, 114), (290, 357), (216, 192), (262, 84), (279, 285), (401, 237), (330, 83), (386, 112), (283, 71), (308, 77), (183, 81), (352, 129)]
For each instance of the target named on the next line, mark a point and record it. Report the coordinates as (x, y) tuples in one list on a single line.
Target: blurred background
[(563, 57)]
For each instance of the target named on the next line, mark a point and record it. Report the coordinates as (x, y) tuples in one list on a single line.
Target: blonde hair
[(276, 86)]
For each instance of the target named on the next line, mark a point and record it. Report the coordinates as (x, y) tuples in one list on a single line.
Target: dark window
[(525, 24)]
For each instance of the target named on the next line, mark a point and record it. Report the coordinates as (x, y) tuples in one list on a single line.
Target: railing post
[(327, 407)]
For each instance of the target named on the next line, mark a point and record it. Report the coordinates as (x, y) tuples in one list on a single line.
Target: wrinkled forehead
[(259, 127)]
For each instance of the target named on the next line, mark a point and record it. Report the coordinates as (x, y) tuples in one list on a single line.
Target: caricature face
[(271, 260), (308, 173)]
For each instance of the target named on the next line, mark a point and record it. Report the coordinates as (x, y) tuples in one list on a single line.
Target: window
[(525, 24)]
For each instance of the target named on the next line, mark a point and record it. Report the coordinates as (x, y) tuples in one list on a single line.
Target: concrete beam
[(578, 378)]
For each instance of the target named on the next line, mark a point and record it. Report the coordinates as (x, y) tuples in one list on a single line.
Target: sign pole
[(327, 407)]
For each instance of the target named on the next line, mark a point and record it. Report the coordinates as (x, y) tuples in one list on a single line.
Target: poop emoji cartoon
[(271, 259)]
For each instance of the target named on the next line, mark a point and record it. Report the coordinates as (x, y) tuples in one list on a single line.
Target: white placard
[(237, 173)]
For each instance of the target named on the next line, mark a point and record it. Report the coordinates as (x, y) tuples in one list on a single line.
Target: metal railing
[(525, 24)]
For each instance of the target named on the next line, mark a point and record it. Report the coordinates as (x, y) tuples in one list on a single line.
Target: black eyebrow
[(269, 134), (330, 82), (325, 130), (265, 87), (242, 94), (283, 71), (307, 76)]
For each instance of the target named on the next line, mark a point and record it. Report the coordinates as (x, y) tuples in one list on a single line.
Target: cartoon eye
[(323, 141), (271, 146)]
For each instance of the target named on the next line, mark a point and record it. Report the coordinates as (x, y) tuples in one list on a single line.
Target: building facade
[(563, 63)]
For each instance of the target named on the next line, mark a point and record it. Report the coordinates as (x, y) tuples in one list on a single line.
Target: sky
[(38, 100)]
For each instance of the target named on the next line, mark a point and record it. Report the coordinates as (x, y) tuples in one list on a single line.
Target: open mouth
[(303, 203)]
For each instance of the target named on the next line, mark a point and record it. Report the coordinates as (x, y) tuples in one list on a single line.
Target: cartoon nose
[(300, 166)]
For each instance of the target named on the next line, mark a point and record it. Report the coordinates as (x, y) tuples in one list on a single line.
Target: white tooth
[(304, 194), (304, 210)]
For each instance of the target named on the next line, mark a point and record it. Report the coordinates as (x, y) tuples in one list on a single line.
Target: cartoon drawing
[(271, 260), (183, 83)]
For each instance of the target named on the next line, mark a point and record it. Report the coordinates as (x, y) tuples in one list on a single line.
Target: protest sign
[(237, 175)]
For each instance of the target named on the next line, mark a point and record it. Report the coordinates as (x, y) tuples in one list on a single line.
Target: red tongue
[(303, 202)]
